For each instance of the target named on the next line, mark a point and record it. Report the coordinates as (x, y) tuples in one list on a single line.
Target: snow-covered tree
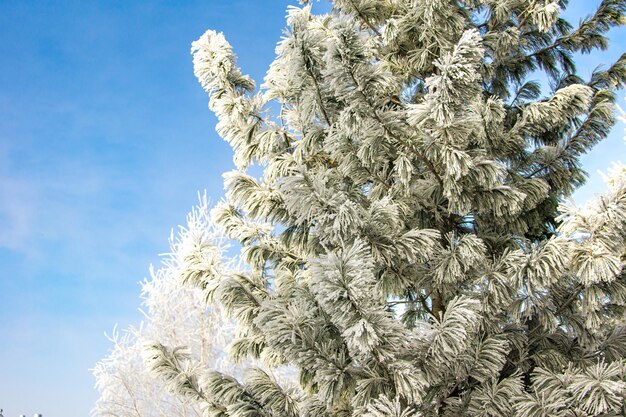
[(175, 314), (406, 249)]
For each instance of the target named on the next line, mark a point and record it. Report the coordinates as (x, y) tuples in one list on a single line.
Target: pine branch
[(319, 95), (363, 18), (610, 13), (425, 304), (528, 13), (438, 308), (419, 155), (313, 77)]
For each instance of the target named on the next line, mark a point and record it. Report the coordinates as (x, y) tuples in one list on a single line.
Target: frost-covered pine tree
[(407, 250)]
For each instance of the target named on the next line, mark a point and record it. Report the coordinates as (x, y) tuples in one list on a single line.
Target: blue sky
[(105, 139)]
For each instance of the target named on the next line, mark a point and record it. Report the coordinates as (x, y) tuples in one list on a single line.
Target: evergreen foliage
[(407, 250)]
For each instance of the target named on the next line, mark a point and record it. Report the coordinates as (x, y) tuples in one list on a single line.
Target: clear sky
[(105, 139)]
